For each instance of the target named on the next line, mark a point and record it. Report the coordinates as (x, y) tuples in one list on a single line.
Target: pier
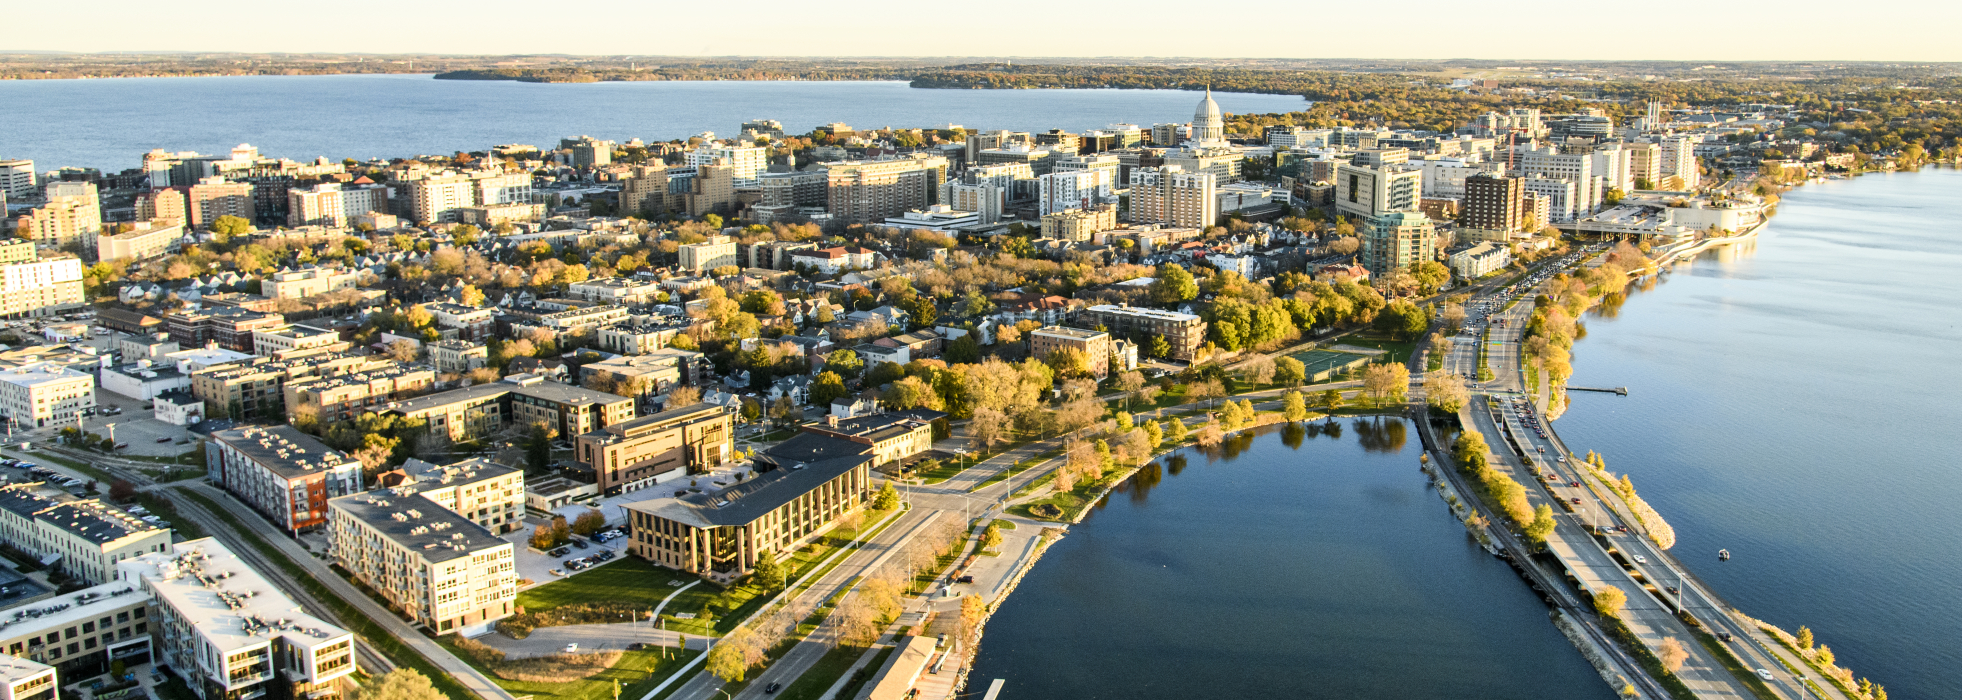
[(1621, 390)]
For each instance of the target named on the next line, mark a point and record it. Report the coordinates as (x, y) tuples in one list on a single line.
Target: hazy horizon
[(772, 28)]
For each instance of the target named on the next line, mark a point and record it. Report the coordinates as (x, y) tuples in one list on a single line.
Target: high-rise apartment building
[(1363, 192), (1679, 159), (1170, 195), (72, 214), (1644, 165), (588, 152), (17, 178), (745, 162), (1577, 168), (215, 197), (286, 475), (493, 188), (872, 191), (990, 140), (1397, 241), (1493, 203), (1075, 189), (167, 203), (333, 204), (645, 191), (712, 190), (987, 200), (437, 197), (1560, 195)]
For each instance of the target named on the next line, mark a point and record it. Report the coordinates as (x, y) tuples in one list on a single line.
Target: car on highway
[(772, 688), (1639, 559), (1765, 674), (1576, 500), (573, 647)]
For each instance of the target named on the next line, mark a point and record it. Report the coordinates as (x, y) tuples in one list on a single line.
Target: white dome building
[(1207, 124)]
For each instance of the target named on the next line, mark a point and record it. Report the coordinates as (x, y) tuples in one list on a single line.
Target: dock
[(1623, 391)]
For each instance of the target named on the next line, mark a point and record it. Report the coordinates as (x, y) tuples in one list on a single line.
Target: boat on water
[(1723, 555)]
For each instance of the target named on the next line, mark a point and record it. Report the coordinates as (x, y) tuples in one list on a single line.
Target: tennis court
[(1323, 364)]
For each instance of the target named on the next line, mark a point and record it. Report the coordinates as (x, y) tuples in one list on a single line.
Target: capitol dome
[(1207, 124)]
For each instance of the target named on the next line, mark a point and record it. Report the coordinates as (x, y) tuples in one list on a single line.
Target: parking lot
[(538, 567)]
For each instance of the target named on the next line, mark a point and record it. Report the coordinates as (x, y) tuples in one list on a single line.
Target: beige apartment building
[(488, 493), (215, 197), (1094, 345), (347, 396), (44, 287), (85, 538), (1169, 195), (644, 451), (1079, 224), (1183, 332), (442, 570), (73, 212), (149, 239), (872, 191), (312, 281), (717, 251)]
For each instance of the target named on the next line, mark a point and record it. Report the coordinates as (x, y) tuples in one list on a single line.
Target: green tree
[(1175, 431), (827, 387), (729, 658), (1330, 400), (1294, 406), (227, 226), (1173, 285), (844, 363), (1430, 275), (991, 537), (1154, 436), (1609, 600), (400, 684), (1402, 320), (887, 498), (769, 574), (1542, 525), (1290, 371), (964, 350), (752, 410), (1158, 347), (538, 448)]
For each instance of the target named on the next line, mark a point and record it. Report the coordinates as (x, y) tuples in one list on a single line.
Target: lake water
[(110, 124), (1289, 564), (1796, 403)]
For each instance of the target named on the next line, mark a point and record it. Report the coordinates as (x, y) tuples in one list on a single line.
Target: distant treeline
[(759, 70)]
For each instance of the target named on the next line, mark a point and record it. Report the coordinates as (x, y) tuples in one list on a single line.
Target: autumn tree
[(1672, 654), (1609, 600), (1294, 407), (1446, 392), (400, 684), (1386, 382), (1290, 371), (589, 522), (684, 396), (1542, 526)]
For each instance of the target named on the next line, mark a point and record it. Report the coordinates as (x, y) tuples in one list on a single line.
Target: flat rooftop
[(283, 449), (1071, 333), (418, 524), (69, 608), (230, 604), (1138, 311)]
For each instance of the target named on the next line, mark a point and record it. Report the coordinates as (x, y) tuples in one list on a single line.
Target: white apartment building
[(485, 492), (271, 342), (41, 288), (1445, 178), (717, 251), (624, 291), (745, 162), (1480, 260), (457, 356), (437, 197), (43, 394), (1075, 189), (1679, 159), (333, 204), (297, 284), (1560, 195), (1223, 163), (17, 178), (442, 570), (495, 189), (1365, 192), (987, 200), (230, 633), (22, 679), (1611, 164), (1577, 168), (150, 239), (1170, 195), (83, 538)]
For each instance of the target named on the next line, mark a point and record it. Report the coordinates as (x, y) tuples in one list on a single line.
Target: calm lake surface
[(1298, 564), (1796, 402), (110, 124)]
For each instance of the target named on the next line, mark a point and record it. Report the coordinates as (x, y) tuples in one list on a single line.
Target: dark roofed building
[(720, 535)]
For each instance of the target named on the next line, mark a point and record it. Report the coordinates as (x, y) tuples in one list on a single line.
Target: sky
[(1687, 30)]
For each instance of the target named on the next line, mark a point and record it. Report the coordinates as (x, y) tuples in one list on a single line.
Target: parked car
[(557, 572), (579, 543), (163, 439), (964, 579), (559, 552)]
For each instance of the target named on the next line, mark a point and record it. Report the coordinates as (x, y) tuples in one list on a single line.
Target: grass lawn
[(1004, 524), (1071, 502), (947, 470), (1396, 350), (739, 601), (158, 506), (821, 675), (627, 579), (637, 672)]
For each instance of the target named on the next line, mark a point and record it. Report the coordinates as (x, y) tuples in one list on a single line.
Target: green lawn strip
[(1005, 524), (1735, 665), (1072, 502), (626, 579), (351, 618), (1038, 483), (864, 675), (162, 508), (1809, 664), (636, 672), (819, 677), (946, 470)]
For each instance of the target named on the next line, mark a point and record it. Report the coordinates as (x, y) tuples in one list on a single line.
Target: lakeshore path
[(1643, 571)]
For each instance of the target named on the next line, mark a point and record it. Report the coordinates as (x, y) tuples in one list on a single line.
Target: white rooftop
[(231, 605), (68, 608)]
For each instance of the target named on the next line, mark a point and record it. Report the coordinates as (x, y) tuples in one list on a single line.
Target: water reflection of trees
[(1141, 483), (1176, 464), (1292, 434), (1380, 433)]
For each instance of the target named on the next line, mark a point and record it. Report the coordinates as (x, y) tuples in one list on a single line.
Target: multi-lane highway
[(1598, 540)]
